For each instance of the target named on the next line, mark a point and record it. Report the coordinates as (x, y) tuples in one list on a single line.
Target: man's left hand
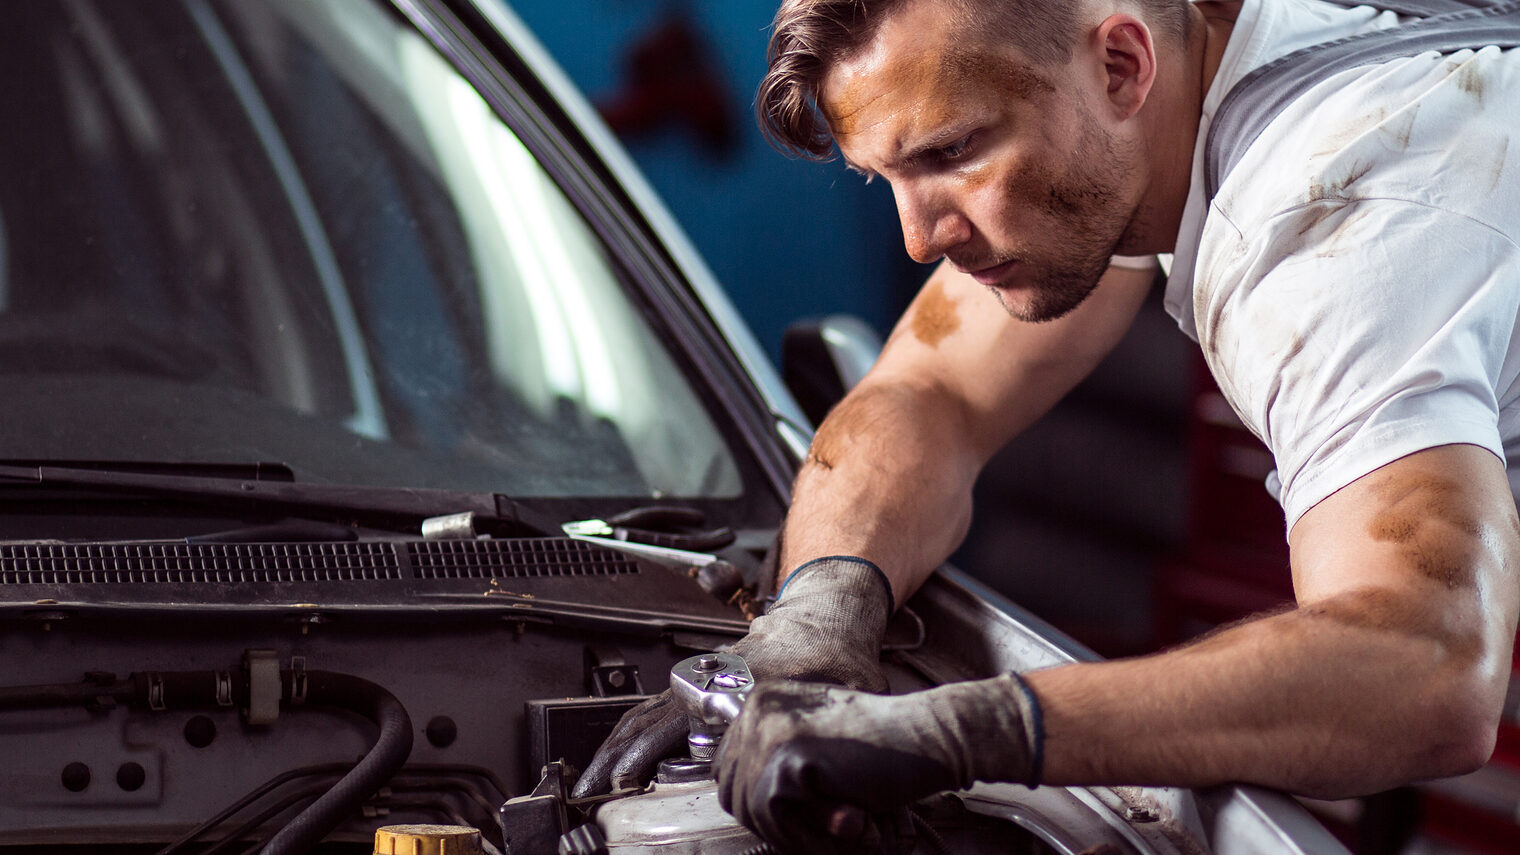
[(800, 752)]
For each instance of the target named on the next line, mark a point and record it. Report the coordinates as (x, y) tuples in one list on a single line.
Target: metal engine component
[(680, 814), (672, 819), (712, 688)]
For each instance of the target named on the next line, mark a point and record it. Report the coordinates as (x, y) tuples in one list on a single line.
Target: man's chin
[(1038, 304)]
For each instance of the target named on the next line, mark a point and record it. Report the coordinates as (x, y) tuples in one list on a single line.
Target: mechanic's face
[(998, 166)]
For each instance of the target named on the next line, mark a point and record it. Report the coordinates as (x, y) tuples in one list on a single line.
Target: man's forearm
[(888, 479), (891, 469), (1343, 698)]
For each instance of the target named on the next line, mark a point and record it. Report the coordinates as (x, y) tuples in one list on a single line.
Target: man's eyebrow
[(858, 170), (910, 157)]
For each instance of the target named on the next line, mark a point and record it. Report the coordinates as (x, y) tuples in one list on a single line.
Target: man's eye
[(956, 150)]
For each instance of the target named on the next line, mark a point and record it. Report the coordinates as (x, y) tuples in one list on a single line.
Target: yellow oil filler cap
[(427, 840)]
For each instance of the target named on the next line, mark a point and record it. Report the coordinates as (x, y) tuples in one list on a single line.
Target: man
[(1355, 286)]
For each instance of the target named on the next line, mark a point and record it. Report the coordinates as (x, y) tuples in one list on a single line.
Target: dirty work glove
[(800, 751), (825, 626)]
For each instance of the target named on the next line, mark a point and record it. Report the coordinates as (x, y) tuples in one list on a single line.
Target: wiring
[(309, 794), (418, 777), (325, 769)]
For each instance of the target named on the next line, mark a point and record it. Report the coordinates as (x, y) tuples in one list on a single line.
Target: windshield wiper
[(392, 508)]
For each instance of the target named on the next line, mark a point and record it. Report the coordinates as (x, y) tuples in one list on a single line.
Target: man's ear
[(1129, 57)]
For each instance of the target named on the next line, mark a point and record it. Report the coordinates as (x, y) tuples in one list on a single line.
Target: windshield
[(289, 231)]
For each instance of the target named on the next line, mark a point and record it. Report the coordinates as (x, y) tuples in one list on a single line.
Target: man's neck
[(1218, 22), (1174, 126)]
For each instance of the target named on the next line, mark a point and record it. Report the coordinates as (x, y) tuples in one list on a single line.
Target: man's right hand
[(825, 627)]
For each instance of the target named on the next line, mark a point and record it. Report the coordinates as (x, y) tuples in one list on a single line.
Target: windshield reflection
[(289, 231)]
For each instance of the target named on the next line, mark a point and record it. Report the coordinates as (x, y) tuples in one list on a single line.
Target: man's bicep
[(1006, 373), (1436, 529)]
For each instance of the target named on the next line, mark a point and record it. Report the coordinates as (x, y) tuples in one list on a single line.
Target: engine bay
[(174, 697), (200, 698)]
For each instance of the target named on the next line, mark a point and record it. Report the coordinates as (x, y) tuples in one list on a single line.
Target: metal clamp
[(298, 679), (156, 692), (223, 689)]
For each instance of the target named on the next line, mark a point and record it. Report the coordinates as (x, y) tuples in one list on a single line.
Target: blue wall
[(787, 238)]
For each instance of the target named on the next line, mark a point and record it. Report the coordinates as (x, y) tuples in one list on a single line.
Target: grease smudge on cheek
[(977, 177)]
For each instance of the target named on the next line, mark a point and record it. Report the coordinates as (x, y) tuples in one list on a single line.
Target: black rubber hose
[(141, 690), (179, 689), (88, 693), (344, 691)]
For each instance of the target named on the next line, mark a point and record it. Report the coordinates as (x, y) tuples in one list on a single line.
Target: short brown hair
[(809, 36)]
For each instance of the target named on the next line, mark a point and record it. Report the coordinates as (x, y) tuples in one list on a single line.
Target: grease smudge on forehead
[(936, 315), (933, 86), (1000, 73)]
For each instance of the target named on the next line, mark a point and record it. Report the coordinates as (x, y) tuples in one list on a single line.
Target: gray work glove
[(825, 626), (800, 753)]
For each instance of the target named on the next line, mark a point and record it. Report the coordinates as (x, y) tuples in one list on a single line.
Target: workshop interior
[(279, 574)]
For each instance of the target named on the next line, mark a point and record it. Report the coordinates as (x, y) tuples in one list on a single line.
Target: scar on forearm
[(1421, 514), (935, 315)]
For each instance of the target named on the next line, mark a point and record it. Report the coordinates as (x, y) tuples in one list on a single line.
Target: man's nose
[(931, 225)]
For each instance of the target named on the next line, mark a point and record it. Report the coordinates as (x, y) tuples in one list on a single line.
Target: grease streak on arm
[(1392, 668), (890, 472)]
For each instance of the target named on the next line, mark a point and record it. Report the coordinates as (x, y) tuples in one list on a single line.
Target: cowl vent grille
[(481, 559), (137, 563), (206, 563)]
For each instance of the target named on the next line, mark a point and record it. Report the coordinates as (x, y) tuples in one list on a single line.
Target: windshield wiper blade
[(397, 508)]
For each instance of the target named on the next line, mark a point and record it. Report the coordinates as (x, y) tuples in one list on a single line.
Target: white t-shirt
[(1355, 284)]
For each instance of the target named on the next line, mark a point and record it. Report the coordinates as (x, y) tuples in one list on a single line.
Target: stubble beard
[(1086, 221)]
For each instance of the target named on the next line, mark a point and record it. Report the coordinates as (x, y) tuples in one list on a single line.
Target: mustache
[(984, 259)]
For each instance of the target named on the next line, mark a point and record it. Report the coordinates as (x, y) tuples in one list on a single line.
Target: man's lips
[(991, 276)]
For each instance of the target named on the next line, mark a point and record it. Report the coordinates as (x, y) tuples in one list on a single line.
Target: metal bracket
[(533, 824), (609, 675), (450, 527), (263, 669)]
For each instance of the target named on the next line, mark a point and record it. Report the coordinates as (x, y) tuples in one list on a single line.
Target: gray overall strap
[(1444, 26)]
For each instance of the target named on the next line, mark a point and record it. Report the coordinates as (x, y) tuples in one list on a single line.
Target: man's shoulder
[(1437, 131)]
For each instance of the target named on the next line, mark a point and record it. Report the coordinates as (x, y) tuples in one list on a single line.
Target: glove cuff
[(1034, 730), (826, 626), (842, 571), (991, 730)]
